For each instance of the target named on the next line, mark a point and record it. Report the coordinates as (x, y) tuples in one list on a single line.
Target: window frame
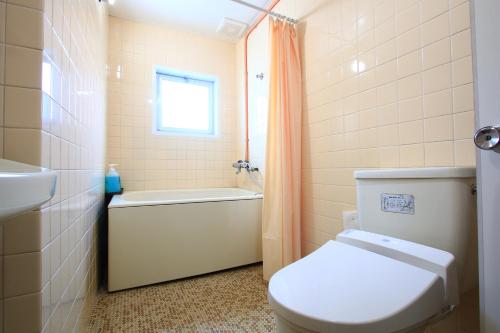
[(211, 82)]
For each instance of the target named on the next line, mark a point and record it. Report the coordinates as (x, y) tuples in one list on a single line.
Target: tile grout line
[(3, 153)]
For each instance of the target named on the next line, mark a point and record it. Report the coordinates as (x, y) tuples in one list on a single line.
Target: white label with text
[(398, 203)]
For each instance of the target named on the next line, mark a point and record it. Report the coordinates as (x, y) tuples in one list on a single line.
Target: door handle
[(487, 138)]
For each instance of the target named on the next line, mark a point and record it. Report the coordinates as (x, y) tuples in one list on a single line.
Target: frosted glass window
[(185, 104)]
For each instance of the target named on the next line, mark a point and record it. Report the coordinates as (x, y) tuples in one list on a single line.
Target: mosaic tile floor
[(229, 301)]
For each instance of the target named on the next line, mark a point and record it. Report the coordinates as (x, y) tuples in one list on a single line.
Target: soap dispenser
[(113, 184)]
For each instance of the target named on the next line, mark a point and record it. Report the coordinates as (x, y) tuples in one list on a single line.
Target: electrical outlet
[(350, 219)]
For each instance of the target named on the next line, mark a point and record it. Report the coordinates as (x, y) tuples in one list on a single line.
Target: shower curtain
[(281, 207)]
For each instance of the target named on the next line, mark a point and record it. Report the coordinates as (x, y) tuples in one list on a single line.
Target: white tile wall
[(74, 106)]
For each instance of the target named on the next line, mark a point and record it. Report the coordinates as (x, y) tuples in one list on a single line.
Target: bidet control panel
[(397, 203)]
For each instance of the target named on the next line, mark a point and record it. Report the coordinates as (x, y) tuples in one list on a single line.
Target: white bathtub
[(156, 236)]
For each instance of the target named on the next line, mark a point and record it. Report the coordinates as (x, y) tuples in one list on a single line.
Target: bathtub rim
[(118, 202)]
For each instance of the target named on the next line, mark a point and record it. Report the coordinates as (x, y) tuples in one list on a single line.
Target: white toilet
[(399, 271)]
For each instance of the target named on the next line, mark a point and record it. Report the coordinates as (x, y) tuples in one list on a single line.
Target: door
[(486, 36)]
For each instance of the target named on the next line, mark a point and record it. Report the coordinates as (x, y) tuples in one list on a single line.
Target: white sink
[(24, 187)]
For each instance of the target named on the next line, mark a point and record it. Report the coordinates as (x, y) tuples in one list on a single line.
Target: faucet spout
[(243, 165)]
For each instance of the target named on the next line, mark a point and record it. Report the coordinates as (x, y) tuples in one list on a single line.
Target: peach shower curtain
[(281, 208)]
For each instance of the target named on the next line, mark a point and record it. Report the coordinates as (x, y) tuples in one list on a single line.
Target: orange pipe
[(250, 30)]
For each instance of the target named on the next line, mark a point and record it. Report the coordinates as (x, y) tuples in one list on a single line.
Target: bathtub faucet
[(244, 165)]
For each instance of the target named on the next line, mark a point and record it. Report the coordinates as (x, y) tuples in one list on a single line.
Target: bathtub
[(157, 236)]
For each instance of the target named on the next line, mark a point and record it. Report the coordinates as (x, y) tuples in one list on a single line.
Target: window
[(185, 104)]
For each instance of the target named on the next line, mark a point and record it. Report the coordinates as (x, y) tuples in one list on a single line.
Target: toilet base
[(284, 326)]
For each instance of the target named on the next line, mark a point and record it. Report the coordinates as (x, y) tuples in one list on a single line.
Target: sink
[(24, 187)]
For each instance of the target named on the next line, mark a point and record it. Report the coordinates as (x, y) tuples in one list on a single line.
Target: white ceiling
[(201, 16)]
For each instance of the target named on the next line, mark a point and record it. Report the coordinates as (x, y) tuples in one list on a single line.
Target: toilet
[(404, 267)]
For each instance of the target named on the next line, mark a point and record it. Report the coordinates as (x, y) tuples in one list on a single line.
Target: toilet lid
[(341, 288)]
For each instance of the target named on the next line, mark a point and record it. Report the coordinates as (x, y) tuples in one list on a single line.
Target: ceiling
[(203, 16)]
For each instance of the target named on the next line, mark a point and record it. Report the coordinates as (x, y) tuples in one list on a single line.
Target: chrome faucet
[(244, 165)]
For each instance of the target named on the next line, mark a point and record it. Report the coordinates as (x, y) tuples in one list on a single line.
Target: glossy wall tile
[(387, 84), (149, 161), (53, 115)]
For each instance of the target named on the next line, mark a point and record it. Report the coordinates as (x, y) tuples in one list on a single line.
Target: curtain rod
[(274, 14)]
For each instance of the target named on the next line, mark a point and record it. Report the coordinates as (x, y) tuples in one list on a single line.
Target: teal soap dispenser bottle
[(113, 184)]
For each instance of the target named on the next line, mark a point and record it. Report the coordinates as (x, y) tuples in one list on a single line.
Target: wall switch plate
[(350, 219)]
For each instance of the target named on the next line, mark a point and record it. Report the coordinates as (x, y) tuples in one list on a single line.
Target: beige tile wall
[(410, 104), (21, 139), (150, 161), (387, 83), (258, 105), (55, 120)]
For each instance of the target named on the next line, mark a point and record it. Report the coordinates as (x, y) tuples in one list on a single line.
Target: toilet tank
[(430, 206)]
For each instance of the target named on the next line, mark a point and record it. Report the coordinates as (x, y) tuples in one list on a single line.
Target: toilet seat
[(342, 288)]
